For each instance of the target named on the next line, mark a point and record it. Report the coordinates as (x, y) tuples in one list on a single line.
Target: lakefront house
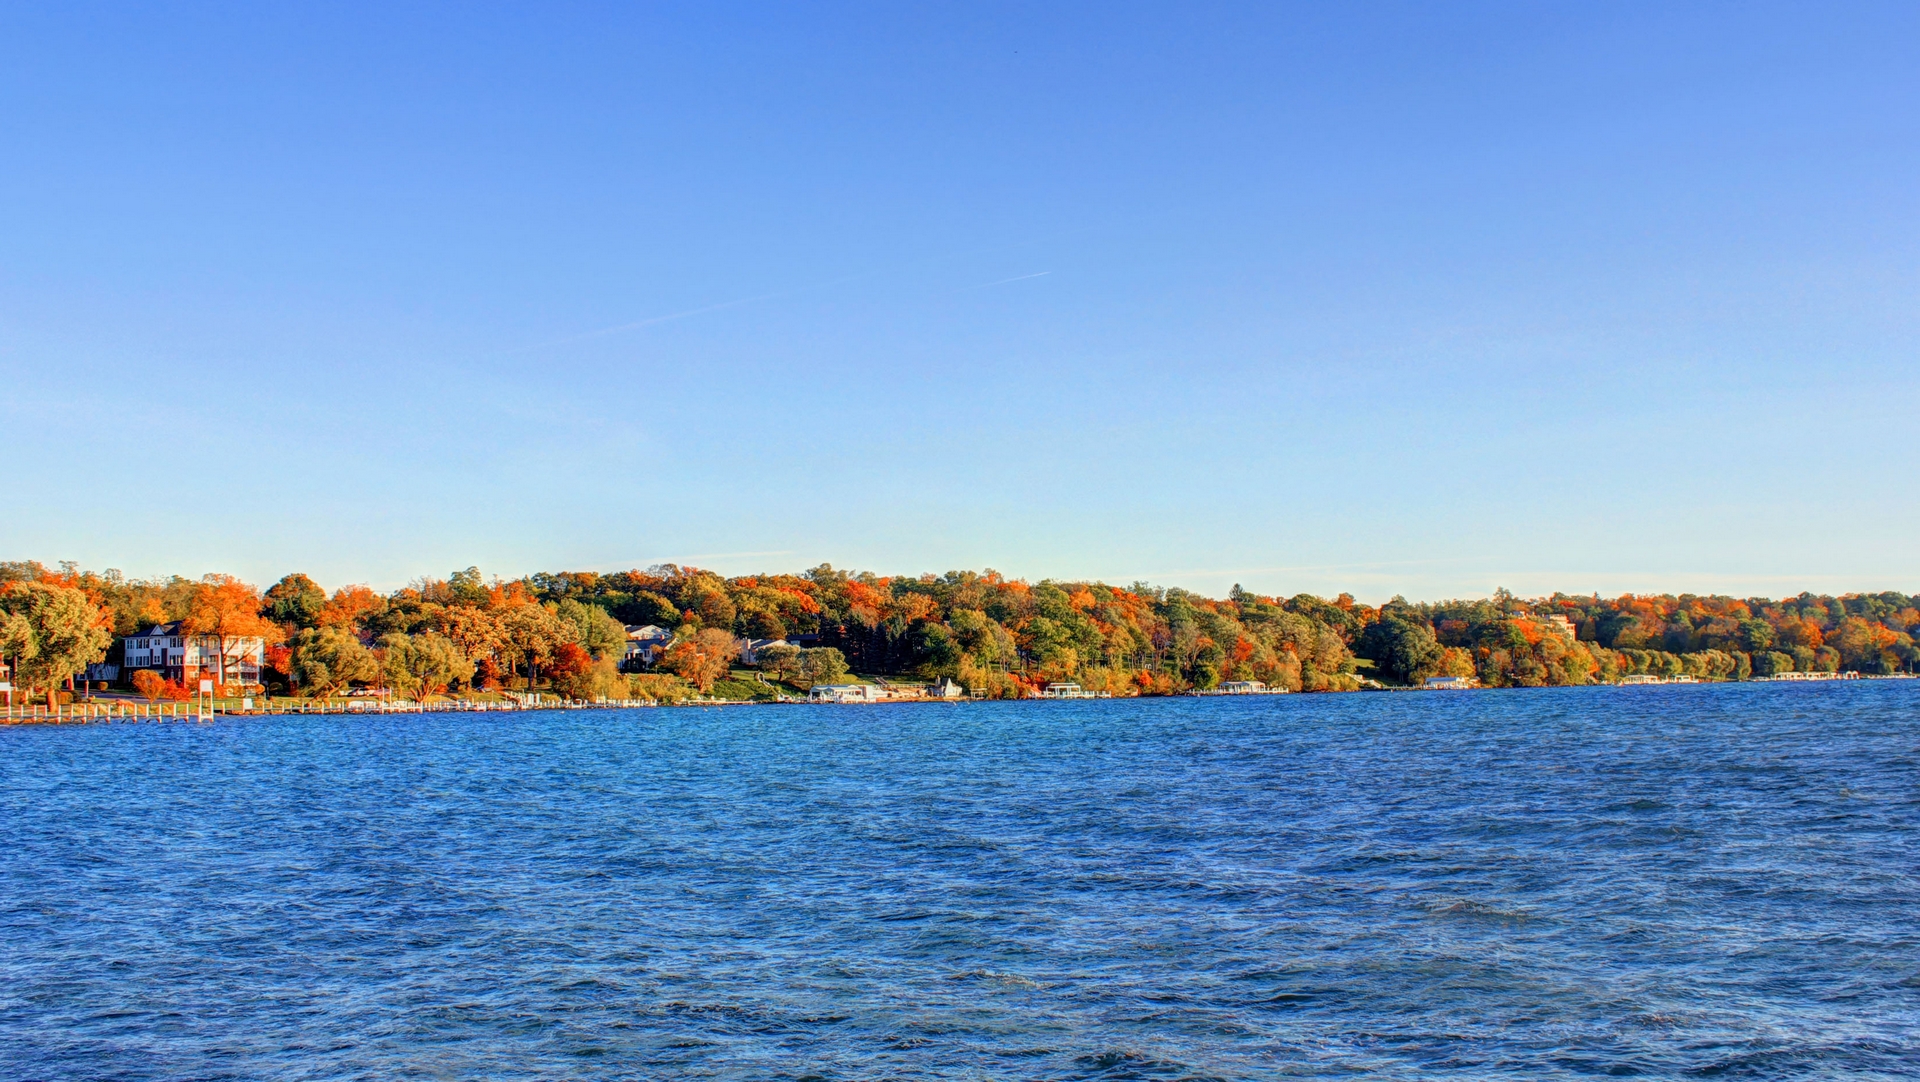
[(174, 653), (750, 649), (645, 644)]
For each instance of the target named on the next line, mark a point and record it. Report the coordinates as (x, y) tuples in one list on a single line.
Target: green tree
[(17, 643), (648, 607), (822, 665), (65, 632), (467, 588), (423, 665), (934, 649), (783, 661), (1756, 635), (295, 600), (983, 638), (330, 658), (602, 635), (1405, 649), (763, 624)]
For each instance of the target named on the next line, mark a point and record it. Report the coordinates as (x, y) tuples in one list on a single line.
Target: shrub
[(150, 684), (661, 688), (597, 680)]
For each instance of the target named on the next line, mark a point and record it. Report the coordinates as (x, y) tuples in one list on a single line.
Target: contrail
[(1004, 281), (656, 319), (704, 309)]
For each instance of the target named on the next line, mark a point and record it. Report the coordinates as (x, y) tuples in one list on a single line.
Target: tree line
[(996, 636), (1505, 641)]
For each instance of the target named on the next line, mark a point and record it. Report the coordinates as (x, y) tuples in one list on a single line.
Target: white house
[(1243, 687), (944, 688), (844, 693), (645, 644), (750, 648), (173, 653), (1450, 683)]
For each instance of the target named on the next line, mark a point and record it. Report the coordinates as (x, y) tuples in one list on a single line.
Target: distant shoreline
[(120, 710), (671, 633)]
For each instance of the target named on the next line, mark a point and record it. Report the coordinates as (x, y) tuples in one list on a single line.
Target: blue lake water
[(1680, 881)]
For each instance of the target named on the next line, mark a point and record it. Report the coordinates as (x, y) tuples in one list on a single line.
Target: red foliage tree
[(570, 659)]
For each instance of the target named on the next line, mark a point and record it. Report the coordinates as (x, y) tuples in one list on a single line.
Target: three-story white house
[(177, 655)]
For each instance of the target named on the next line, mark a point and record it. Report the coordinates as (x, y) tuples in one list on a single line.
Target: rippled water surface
[(1657, 881)]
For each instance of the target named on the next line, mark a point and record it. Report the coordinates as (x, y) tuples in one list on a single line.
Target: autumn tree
[(150, 684), (569, 660), (279, 658), (530, 634), (351, 607), (55, 633), (479, 633), (599, 679), (703, 657), (228, 611)]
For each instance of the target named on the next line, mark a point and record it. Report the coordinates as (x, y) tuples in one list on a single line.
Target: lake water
[(1677, 881)]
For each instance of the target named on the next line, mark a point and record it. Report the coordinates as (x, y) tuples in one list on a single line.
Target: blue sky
[(1420, 299)]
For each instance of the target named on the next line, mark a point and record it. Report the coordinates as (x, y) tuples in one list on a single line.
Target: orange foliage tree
[(228, 611), (703, 658)]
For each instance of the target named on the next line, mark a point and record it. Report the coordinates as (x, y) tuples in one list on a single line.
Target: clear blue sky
[(1415, 298)]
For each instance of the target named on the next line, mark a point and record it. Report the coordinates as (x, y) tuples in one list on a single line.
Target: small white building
[(844, 693), (1066, 691), (1450, 683), (1244, 687), (173, 653), (944, 688)]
